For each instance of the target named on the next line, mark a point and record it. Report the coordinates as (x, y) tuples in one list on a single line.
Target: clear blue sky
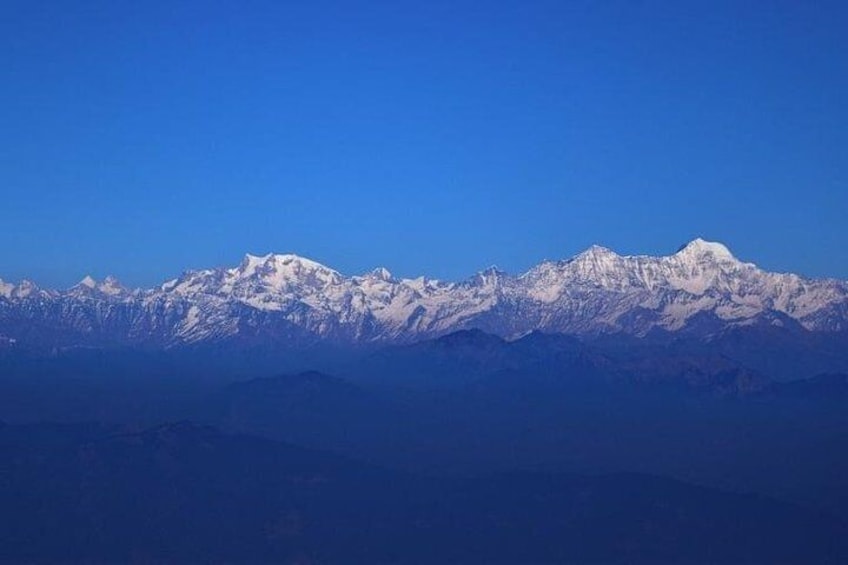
[(145, 138)]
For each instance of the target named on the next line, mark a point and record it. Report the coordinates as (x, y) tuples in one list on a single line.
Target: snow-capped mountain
[(291, 300)]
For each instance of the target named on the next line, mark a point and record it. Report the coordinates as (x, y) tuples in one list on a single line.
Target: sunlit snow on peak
[(6, 289), (699, 247), (381, 273), (595, 291)]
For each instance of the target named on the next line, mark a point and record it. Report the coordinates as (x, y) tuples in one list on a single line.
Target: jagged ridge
[(289, 299)]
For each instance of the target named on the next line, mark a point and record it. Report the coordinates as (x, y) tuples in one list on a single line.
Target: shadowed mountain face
[(312, 408), (470, 402), (285, 300), (543, 448), (182, 493), (474, 358), (830, 388), (785, 440)]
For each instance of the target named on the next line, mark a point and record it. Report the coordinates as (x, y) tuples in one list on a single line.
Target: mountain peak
[(25, 289), (699, 247), (292, 259), (381, 273), (489, 276), (285, 297), (596, 252), (492, 271), (110, 285), (251, 262), (285, 271), (6, 289)]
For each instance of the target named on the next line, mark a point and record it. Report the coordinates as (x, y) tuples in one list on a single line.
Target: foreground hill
[(181, 493)]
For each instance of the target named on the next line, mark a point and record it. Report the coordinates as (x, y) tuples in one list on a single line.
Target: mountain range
[(701, 290)]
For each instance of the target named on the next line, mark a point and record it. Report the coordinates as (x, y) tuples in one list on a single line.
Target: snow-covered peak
[(599, 264), (381, 274), (597, 252), (294, 266), (25, 289), (88, 286), (493, 270), (490, 276), (594, 291), (423, 284), (250, 263), (111, 286), (281, 273), (288, 261), (6, 289), (699, 248)]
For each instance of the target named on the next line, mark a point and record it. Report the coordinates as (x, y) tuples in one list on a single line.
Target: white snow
[(25, 289), (591, 292), (6, 289), (698, 248)]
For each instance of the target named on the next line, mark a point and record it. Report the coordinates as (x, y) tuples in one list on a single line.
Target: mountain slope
[(701, 289), (183, 493)]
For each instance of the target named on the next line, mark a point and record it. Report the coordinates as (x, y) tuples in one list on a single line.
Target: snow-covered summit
[(25, 289), (286, 264), (90, 287), (699, 248), (291, 298), (381, 273), (6, 289)]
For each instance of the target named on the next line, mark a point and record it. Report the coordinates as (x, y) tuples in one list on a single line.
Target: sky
[(142, 139)]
